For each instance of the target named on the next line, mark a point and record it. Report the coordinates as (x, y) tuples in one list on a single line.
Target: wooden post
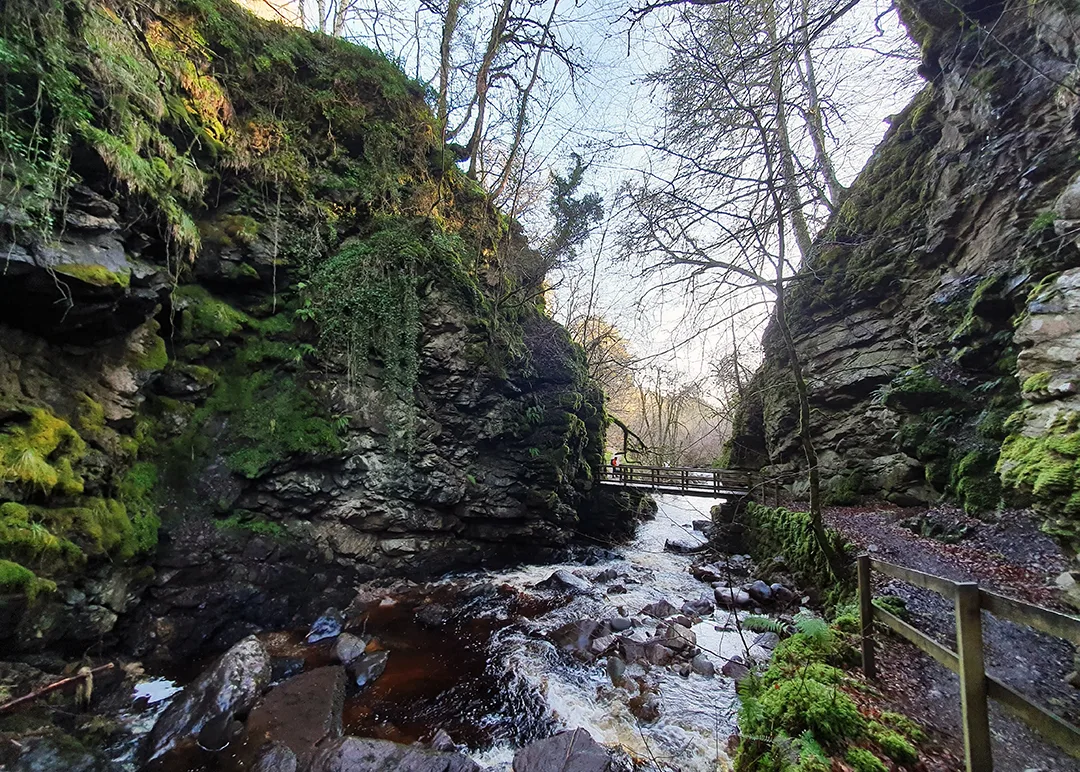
[(969, 646), (866, 618)]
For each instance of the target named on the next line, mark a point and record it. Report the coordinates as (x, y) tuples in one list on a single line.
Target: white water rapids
[(697, 713)]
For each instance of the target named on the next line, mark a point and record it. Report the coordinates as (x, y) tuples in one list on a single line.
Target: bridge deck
[(686, 481)]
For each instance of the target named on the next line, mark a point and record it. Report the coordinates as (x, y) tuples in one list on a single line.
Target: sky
[(609, 109)]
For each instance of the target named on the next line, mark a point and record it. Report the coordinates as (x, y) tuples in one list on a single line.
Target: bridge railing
[(719, 481)]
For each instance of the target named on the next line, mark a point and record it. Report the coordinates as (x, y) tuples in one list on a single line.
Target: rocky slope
[(248, 297), (937, 317)]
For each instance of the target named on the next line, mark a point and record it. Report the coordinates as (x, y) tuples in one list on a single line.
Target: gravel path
[(1010, 556)]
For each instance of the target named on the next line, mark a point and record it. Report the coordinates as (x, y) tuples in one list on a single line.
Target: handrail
[(975, 684), (690, 480)]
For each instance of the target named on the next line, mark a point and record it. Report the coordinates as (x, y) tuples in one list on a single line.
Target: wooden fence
[(975, 685)]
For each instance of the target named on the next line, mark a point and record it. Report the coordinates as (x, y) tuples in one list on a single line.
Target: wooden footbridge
[(685, 481)]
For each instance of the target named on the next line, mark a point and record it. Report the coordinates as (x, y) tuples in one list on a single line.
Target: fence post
[(866, 618), (969, 645)]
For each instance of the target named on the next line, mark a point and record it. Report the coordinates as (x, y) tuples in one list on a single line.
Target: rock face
[(300, 713), (308, 373), (942, 299)]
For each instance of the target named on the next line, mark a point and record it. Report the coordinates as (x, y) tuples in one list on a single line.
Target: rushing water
[(484, 672)]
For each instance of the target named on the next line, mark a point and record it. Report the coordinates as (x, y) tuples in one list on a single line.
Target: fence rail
[(686, 480), (976, 686)]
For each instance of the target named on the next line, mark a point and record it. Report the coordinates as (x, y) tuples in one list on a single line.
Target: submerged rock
[(348, 648), (574, 751), (433, 615), (701, 607), (683, 546), (53, 751), (329, 625), (229, 686), (368, 668), (275, 757), (301, 713), (362, 754), (702, 665), (661, 609)]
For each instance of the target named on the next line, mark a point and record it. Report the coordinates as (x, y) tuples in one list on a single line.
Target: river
[(476, 663)]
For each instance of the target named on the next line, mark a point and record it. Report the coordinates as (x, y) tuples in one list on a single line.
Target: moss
[(91, 413), (915, 389), (862, 760), (976, 483), (204, 316), (893, 604), (97, 275), (779, 531), (16, 578), (153, 357), (904, 725), (1043, 221), (845, 491), (893, 744), (251, 523), (138, 491), (1036, 383), (41, 454)]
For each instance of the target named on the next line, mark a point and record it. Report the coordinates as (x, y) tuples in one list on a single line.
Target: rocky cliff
[(259, 338), (938, 315)]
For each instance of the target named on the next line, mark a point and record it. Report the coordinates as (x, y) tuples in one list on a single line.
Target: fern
[(759, 624), (814, 628)]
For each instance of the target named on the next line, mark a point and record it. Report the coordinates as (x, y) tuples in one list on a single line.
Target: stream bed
[(473, 655)]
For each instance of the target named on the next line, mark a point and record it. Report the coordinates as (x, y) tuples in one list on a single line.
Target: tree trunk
[(450, 22)]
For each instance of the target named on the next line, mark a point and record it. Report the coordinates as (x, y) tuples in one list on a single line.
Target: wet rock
[(759, 591), (616, 589), (574, 751), (661, 609), (229, 686), (275, 757), (767, 641), (285, 667), (599, 647), (616, 670), (607, 575), (710, 573), (684, 620), (702, 665), (433, 615), (348, 648), (657, 653), (701, 607), (576, 636), (632, 651), (645, 706), (52, 751), (731, 597), (362, 754), (701, 525), (683, 669), (683, 546), (735, 668), (679, 638), (620, 624), (301, 713), (564, 581), (327, 626), (782, 594), (442, 741), (369, 667), (219, 733)]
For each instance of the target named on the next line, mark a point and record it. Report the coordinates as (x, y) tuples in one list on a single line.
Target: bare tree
[(748, 177)]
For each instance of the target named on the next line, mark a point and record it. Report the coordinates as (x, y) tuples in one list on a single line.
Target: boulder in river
[(433, 615), (683, 546), (329, 625), (607, 575), (616, 669), (710, 572), (229, 686), (364, 754), (620, 624), (759, 591), (52, 751), (565, 582), (678, 638), (575, 637), (301, 713), (735, 668), (701, 525), (348, 648), (275, 757), (574, 751), (731, 597), (702, 665), (656, 653), (369, 667), (701, 607), (661, 609), (782, 594)]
